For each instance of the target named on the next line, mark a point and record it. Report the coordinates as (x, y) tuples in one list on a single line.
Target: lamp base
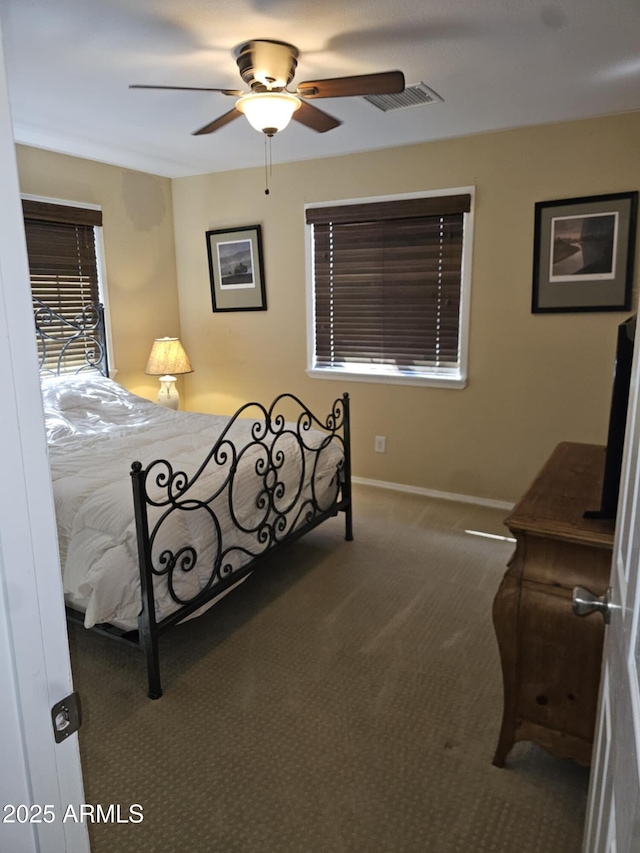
[(168, 394)]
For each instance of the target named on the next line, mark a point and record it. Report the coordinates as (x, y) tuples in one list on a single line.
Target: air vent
[(416, 95)]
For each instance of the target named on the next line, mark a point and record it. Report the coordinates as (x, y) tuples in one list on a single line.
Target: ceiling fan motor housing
[(267, 65)]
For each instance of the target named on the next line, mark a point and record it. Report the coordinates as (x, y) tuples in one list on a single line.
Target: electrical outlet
[(381, 444)]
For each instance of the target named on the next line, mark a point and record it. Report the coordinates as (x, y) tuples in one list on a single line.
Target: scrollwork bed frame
[(284, 513)]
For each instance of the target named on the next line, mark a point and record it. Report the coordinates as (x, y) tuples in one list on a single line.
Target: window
[(64, 271), (390, 282)]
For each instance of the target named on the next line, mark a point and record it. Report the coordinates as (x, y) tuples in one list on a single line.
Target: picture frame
[(236, 269), (583, 253)]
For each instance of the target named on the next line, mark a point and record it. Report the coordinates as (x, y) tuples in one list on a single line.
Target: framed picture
[(583, 253), (236, 270)]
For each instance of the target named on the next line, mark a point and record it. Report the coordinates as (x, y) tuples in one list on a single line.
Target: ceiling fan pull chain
[(266, 170)]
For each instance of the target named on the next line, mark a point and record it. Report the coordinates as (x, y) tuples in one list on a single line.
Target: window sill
[(443, 380)]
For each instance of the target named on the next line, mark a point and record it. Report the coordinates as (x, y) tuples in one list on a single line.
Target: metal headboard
[(71, 346)]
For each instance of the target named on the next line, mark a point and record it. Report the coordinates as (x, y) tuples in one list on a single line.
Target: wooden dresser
[(550, 658)]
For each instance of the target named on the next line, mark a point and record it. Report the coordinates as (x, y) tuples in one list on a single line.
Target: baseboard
[(433, 493)]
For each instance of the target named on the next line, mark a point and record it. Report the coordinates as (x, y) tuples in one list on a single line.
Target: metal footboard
[(283, 458)]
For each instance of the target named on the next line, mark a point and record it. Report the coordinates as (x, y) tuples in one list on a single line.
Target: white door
[(613, 813), (35, 672)]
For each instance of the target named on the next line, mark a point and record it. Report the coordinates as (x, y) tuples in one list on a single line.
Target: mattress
[(96, 430)]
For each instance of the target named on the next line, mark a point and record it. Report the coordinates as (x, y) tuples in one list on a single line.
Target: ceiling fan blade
[(235, 92), (384, 83), (218, 123), (314, 118)]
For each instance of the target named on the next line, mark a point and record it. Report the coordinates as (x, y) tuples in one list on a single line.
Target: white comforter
[(96, 429)]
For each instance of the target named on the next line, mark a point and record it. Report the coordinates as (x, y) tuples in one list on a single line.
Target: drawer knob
[(585, 602)]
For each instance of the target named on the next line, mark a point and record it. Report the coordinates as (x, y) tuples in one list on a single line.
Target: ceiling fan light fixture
[(268, 112)]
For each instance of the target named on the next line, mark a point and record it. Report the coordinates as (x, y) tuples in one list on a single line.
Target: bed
[(160, 513)]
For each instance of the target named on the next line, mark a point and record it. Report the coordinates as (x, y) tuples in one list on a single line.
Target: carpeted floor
[(347, 699)]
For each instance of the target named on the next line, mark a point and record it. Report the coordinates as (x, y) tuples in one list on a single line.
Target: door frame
[(35, 670)]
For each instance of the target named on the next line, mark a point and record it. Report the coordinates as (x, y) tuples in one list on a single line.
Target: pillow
[(69, 390), (89, 403)]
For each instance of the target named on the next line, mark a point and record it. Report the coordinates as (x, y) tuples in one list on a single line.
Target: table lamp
[(168, 359)]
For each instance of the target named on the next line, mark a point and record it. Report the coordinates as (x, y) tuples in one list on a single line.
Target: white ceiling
[(496, 63)]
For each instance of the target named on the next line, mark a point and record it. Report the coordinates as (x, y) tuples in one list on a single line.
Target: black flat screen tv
[(617, 420)]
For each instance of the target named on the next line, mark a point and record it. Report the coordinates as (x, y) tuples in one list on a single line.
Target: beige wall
[(138, 246), (534, 380)]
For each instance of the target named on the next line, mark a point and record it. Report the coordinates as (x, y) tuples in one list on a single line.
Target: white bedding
[(95, 430)]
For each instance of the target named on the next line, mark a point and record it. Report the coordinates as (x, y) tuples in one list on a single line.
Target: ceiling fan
[(268, 67)]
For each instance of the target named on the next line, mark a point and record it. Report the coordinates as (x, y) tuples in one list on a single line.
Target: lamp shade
[(168, 358), (268, 112)]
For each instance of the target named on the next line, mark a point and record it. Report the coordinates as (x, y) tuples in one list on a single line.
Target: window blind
[(64, 277), (388, 283)]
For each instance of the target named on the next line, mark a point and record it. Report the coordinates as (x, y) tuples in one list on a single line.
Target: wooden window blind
[(388, 283), (64, 275)]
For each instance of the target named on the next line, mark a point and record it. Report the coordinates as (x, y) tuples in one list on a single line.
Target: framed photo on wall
[(236, 269), (583, 253)]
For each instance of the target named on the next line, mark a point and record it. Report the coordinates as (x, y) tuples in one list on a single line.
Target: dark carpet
[(346, 698)]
